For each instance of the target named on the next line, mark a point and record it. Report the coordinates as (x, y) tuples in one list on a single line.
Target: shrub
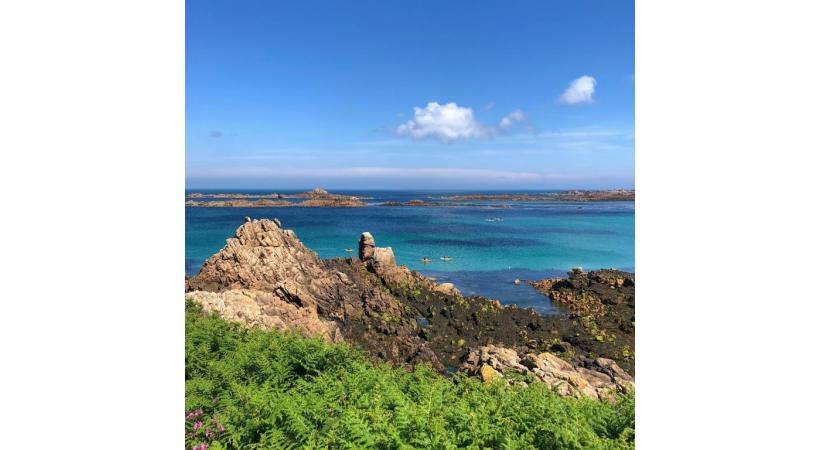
[(269, 389)]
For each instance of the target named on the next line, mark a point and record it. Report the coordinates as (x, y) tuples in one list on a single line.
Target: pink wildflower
[(197, 425)]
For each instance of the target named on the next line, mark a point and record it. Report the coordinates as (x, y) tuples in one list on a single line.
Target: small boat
[(349, 250), (426, 260), (445, 258)]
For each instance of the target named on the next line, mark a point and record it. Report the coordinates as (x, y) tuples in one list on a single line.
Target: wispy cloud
[(586, 132), (529, 142), (429, 177), (216, 134), (508, 120), (372, 172), (580, 91)]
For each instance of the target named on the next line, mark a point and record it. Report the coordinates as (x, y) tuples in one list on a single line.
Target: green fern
[(274, 390)]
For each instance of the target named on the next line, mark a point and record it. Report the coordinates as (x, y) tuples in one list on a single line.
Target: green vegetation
[(271, 390)]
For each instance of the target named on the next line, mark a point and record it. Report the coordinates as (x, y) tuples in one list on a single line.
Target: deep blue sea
[(490, 246)]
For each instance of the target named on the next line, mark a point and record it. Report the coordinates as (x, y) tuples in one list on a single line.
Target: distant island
[(320, 198), (612, 195), (317, 198)]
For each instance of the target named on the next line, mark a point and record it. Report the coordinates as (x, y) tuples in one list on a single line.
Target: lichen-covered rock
[(603, 302), (487, 373), (599, 381)]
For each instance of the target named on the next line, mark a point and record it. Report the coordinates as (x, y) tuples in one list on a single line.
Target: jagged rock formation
[(265, 261), (599, 381), (265, 276), (263, 256)]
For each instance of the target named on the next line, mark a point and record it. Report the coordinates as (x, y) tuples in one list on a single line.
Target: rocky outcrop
[(268, 311), (265, 263), (603, 303), (599, 380), (264, 276), (335, 202), (545, 285), (380, 260), (263, 256)]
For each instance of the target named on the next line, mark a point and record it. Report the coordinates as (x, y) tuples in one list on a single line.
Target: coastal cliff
[(266, 277)]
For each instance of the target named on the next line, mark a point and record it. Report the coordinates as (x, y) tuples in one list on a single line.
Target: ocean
[(490, 246)]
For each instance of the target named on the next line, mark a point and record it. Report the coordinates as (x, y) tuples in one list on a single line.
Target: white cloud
[(509, 119), (451, 122), (579, 91), (443, 122)]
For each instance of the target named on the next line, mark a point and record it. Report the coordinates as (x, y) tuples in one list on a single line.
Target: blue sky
[(422, 94)]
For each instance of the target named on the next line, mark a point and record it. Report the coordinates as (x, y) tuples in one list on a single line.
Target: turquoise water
[(532, 240)]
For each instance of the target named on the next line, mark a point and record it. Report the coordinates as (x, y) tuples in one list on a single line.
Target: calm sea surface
[(490, 246)]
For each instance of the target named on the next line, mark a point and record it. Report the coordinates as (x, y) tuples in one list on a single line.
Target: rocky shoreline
[(320, 198), (264, 276)]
